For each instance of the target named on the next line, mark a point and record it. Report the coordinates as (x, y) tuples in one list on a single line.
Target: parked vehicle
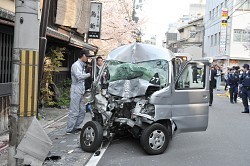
[(146, 91)]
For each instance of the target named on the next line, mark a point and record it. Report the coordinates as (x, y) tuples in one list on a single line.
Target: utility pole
[(24, 73), (42, 42)]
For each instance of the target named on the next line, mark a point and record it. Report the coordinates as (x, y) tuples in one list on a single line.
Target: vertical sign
[(223, 33), (95, 21)]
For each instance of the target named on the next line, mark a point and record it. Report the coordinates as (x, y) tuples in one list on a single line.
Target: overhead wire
[(220, 20), (229, 15)]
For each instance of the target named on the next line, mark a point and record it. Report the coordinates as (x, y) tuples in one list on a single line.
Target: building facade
[(6, 51), (226, 43), (190, 39), (67, 28)]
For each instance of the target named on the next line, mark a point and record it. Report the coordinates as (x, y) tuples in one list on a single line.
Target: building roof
[(190, 23)]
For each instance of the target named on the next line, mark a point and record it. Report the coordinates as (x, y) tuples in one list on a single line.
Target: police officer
[(232, 82), (245, 85)]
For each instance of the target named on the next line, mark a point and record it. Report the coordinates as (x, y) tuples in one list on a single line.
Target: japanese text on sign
[(95, 21)]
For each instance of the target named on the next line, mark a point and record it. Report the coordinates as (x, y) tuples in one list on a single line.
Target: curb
[(54, 120)]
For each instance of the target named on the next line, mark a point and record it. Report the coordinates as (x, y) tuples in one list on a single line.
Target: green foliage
[(64, 88), (52, 61)]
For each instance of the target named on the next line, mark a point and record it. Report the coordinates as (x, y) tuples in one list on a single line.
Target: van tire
[(155, 138), (91, 136)]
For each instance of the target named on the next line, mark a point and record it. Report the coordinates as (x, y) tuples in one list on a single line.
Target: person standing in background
[(212, 84), (233, 80), (226, 77), (218, 77), (195, 73), (99, 63), (77, 107), (245, 87)]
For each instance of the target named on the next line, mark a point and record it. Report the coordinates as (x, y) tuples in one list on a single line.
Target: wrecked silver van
[(146, 91)]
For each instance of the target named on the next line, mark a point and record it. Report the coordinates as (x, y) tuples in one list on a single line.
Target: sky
[(160, 13)]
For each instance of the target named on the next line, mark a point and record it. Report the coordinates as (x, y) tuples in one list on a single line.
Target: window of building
[(222, 5), (216, 12), (219, 38), (210, 15), (226, 3), (237, 35), (241, 35), (215, 39), (213, 13), (212, 40), (245, 36), (192, 34), (208, 38), (220, 9)]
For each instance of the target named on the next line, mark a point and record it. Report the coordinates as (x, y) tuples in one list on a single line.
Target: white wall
[(194, 51), (240, 20), (211, 28), (8, 5)]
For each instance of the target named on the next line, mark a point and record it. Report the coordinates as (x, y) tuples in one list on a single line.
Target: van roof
[(139, 52)]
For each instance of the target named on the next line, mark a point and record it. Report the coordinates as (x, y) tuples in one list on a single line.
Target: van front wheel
[(155, 139), (91, 136)]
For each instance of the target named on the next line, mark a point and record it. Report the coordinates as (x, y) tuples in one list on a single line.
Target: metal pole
[(43, 41), (24, 73), (203, 43)]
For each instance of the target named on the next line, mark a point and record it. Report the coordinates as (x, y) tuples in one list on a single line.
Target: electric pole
[(42, 42), (24, 73)]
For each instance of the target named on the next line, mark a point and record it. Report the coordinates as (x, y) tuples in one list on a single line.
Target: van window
[(148, 71), (192, 77)]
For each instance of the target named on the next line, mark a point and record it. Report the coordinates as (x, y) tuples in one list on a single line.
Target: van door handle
[(205, 96)]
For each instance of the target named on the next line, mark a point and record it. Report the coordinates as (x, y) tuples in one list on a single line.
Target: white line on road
[(55, 121), (93, 161)]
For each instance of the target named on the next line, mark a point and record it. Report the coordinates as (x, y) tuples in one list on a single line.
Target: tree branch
[(108, 39)]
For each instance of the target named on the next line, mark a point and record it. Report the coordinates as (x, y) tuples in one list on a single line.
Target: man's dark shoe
[(245, 112), (210, 104), (231, 102)]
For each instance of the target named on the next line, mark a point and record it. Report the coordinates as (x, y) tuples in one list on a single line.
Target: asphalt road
[(225, 143)]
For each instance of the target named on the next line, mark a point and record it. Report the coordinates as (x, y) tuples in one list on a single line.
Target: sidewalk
[(66, 147)]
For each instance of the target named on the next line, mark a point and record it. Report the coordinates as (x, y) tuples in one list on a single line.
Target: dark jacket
[(233, 80), (212, 79), (245, 79)]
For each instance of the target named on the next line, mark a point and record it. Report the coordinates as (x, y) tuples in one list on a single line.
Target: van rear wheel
[(155, 139)]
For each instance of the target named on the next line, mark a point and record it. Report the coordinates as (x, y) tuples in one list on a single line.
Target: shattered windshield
[(156, 71)]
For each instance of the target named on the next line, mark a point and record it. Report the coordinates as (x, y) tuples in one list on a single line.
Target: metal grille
[(6, 49)]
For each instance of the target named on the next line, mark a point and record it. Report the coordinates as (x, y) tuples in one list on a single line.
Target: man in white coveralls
[(77, 107)]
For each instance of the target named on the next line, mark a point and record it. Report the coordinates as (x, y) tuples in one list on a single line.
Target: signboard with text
[(95, 21), (223, 33)]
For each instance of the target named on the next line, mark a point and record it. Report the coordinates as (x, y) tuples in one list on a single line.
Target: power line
[(241, 14), (230, 9), (239, 7), (228, 16), (216, 22)]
